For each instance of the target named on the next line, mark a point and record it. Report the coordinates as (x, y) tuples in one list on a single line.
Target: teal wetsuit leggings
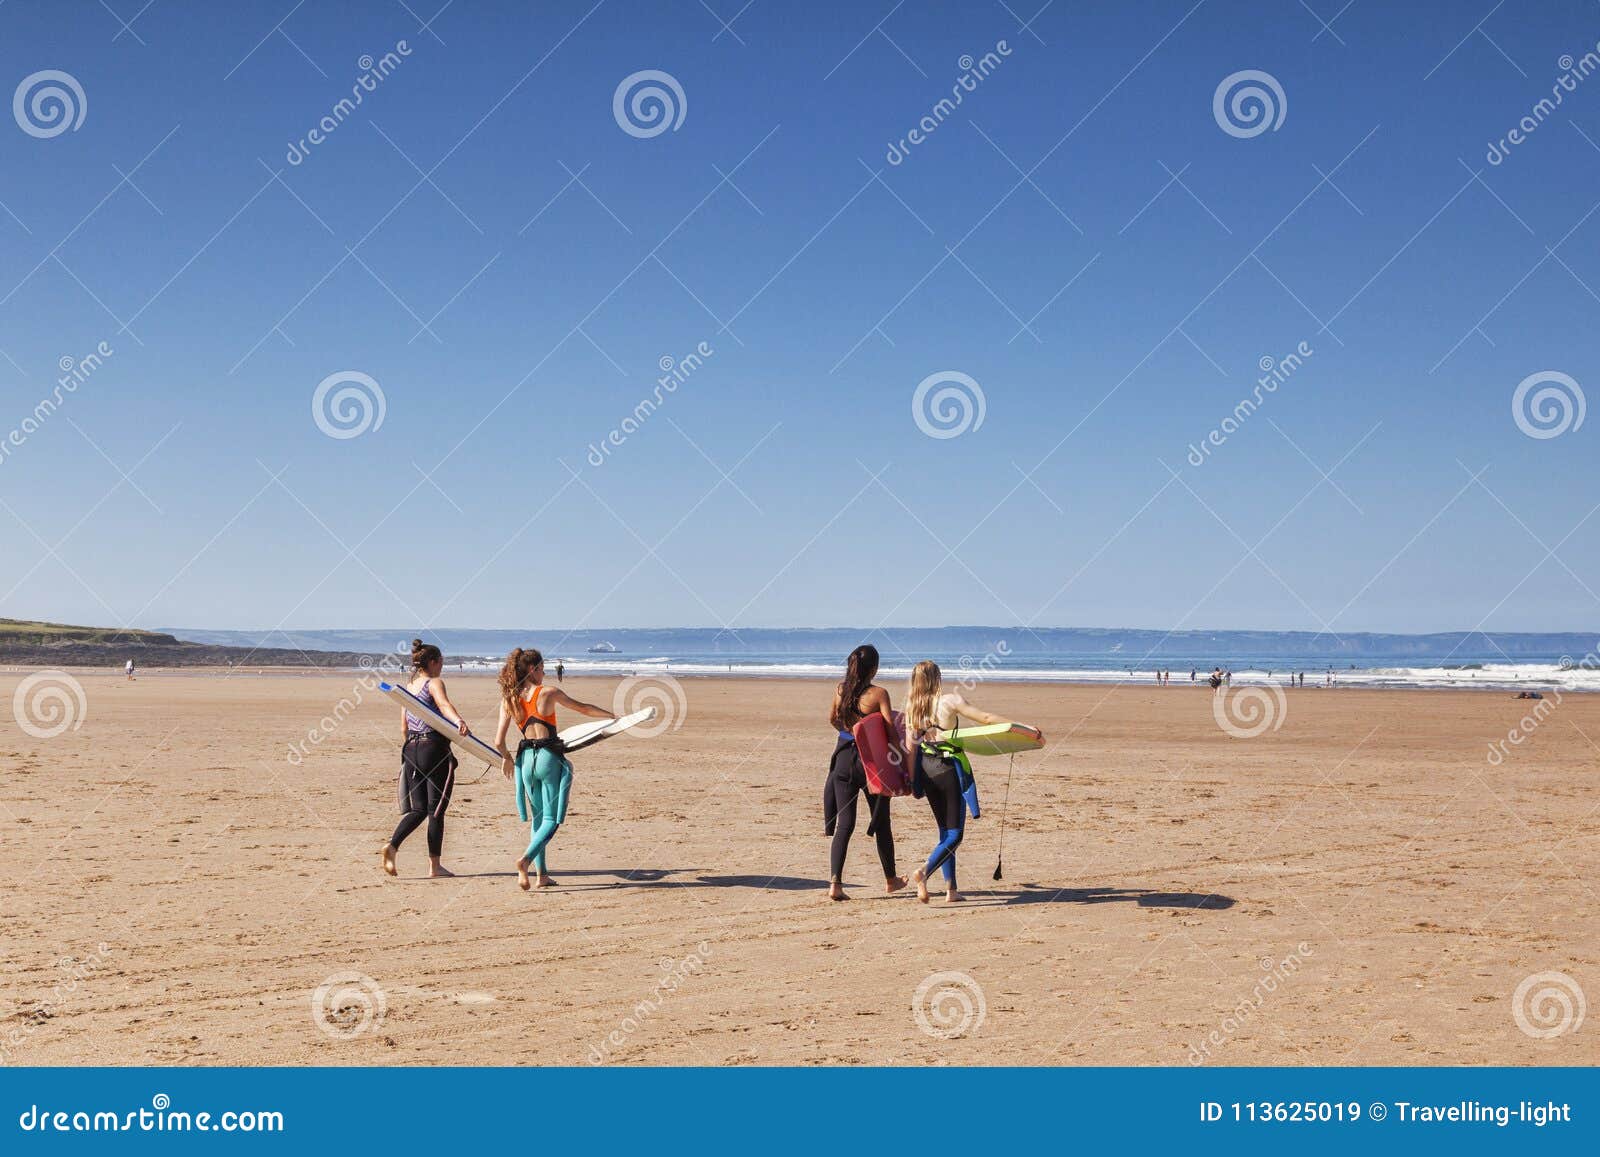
[(544, 781)]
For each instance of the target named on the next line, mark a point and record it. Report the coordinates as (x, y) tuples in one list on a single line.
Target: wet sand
[(1359, 886)]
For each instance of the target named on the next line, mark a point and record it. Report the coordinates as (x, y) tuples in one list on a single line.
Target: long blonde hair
[(922, 699)]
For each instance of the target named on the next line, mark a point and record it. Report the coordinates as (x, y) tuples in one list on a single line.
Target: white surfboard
[(583, 734), (470, 744), (578, 736)]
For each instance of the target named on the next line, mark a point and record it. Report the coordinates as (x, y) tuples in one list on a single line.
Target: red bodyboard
[(882, 757)]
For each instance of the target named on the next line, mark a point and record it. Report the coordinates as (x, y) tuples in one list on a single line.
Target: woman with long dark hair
[(856, 698), (427, 765)]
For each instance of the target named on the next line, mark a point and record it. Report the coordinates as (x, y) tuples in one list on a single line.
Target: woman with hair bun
[(427, 765), (542, 772)]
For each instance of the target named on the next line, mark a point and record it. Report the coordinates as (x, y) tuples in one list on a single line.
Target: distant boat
[(603, 649)]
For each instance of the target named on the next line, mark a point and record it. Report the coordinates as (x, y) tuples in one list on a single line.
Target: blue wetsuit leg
[(943, 787), (552, 776)]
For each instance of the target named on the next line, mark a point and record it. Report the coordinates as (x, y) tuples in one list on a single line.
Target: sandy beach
[(1360, 886)]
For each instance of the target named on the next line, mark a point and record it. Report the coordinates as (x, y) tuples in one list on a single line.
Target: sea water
[(1567, 662)]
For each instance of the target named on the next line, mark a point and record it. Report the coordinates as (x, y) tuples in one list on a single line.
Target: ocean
[(1500, 661)]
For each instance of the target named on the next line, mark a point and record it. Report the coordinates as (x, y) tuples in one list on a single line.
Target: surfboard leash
[(1004, 804)]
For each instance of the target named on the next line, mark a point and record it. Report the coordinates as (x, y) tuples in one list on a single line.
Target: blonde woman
[(929, 710)]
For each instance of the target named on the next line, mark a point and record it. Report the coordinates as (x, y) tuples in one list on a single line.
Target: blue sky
[(1081, 238)]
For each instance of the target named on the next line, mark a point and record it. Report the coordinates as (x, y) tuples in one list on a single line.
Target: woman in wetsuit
[(929, 710), (427, 765), (540, 767), (856, 698)]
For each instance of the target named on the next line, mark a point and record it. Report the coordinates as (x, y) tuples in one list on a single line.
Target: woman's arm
[(503, 726), (405, 729), (966, 710), (563, 699), (963, 708), (447, 708), (877, 699)]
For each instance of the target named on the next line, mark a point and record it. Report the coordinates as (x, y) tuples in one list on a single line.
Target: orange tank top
[(529, 708)]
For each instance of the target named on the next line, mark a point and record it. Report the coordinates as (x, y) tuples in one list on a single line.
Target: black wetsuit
[(941, 783), (846, 781), (427, 777)]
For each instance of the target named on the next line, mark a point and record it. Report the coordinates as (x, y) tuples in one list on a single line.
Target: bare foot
[(388, 859), (836, 891), (439, 872), (953, 897), (920, 879), (894, 884), (522, 875), (545, 881)]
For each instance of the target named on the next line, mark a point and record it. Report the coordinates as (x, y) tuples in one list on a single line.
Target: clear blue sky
[(822, 277)]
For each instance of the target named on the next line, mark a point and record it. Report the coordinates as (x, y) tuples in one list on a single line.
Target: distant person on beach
[(940, 772), (561, 671), (854, 699), (1191, 673), (540, 768), (128, 668), (1216, 678), (427, 765)]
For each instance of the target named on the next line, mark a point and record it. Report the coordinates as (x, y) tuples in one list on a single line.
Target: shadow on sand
[(1043, 894), (594, 879)]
